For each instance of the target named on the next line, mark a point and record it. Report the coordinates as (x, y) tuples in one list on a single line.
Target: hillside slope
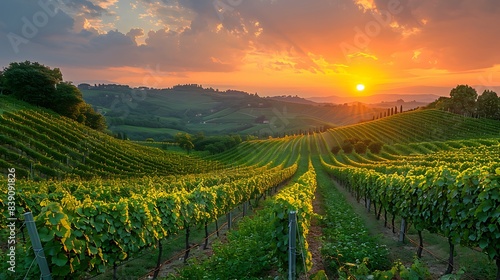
[(416, 126), (41, 144), (160, 114)]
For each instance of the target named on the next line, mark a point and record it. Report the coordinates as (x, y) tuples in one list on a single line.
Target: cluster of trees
[(42, 86), (464, 100), (213, 144), (360, 146), (390, 111)]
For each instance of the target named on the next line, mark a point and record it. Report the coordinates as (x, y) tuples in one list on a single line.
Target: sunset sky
[(273, 47)]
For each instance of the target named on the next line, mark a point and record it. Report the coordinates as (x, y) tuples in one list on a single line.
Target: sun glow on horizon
[(360, 87)]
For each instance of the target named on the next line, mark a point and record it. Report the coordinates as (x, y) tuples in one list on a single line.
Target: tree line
[(42, 86), (465, 101), (212, 144), (360, 146)]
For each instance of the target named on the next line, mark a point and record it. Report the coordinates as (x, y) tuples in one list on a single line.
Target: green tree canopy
[(488, 105), (2, 82), (91, 118), (375, 147), (360, 147), (335, 149), (42, 86), (347, 147), (463, 100), (67, 100), (442, 103), (184, 141)]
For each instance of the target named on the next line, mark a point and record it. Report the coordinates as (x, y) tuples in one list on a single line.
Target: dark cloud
[(85, 7), (454, 35), (134, 33)]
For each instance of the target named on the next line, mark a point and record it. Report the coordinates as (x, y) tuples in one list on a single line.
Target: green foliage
[(216, 144), (461, 202), (346, 238), (57, 147), (347, 147), (375, 147), (442, 103), (463, 100), (360, 147), (32, 82), (67, 100), (2, 83), (184, 141), (42, 86), (89, 226), (247, 254), (488, 105), (335, 150), (261, 243), (320, 275)]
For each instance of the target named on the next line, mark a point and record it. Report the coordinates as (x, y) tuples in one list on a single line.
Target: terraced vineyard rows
[(416, 126), (47, 146), (450, 187), (444, 178), (91, 227)]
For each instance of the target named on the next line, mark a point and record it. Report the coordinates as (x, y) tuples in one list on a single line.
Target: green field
[(100, 202)]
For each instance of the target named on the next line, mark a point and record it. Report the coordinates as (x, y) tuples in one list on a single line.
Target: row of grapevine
[(462, 205), (296, 197), (85, 236), (262, 241), (34, 140), (458, 159), (31, 194), (416, 126)]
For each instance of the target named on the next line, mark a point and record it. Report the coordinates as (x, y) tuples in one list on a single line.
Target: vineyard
[(99, 201)]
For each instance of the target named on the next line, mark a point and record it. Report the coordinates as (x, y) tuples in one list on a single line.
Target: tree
[(2, 82), (360, 147), (488, 105), (442, 103), (34, 83), (42, 86), (200, 136), (184, 141), (335, 149), (91, 118), (463, 100), (347, 147), (375, 147), (67, 100)]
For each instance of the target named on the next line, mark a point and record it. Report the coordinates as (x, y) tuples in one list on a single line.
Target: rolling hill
[(40, 144), (79, 183), (143, 113)]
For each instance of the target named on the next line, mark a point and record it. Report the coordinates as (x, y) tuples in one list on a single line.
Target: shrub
[(375, 147), (347, 147), (360, 147), (335, 150)]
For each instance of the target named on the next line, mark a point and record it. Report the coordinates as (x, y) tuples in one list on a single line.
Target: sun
[(360, 87)]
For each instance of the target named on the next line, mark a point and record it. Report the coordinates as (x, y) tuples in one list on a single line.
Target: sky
[(271, 47)]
